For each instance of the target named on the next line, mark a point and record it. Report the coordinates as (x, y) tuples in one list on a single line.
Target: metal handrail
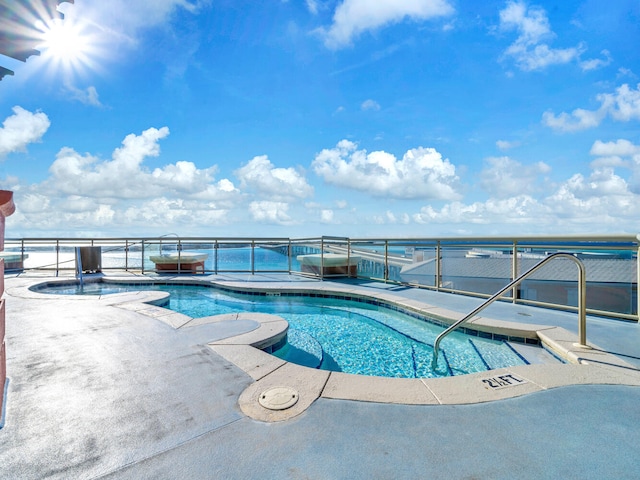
[(582, 303)]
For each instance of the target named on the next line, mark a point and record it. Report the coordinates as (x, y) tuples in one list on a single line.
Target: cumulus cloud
[(531, 50), (326, 216), (623, 105), (125, 176), (522, 209), (353, 17), (579, 119), (162, 211), (266, 211), (21, 129), (95, 195), (620, 147), (504, 177), (271, 182), (603, 199), (421, 173), (370, 105), (621, 153)]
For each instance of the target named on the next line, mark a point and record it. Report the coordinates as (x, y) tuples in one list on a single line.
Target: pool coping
[(585, 366)]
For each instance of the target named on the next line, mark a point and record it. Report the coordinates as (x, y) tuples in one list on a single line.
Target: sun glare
[(67, 45), (63, 41)]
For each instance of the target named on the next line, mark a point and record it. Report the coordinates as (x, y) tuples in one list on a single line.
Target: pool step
[(302, 349), (497, 355)]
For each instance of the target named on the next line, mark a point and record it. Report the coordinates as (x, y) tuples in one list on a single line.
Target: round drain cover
[(278, 398)]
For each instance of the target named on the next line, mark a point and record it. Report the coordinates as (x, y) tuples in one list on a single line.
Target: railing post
[(514, 271), (126, 255), (348, 257), (216, 247), (142, 257), (582, 304), (179, 249), (57, 257), (253, 257), (321, 258), (438, 279), (386, 260), (637, 282)]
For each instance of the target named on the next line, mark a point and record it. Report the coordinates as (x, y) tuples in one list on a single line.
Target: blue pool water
[(336, 334)]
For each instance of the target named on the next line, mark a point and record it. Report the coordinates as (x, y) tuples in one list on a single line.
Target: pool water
[(336, 334)]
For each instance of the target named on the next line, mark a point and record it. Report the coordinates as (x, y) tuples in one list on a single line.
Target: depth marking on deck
[(502, 381)]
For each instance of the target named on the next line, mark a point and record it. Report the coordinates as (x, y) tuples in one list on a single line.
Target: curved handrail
[(582, 304)]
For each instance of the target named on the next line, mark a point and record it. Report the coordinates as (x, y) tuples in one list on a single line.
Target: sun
[(63, 41), (67, 45)]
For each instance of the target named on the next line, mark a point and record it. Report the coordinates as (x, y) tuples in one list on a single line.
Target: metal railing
[(475, 266), (582, 309)]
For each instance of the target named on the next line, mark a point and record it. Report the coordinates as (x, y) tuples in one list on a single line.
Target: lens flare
[(67, 45)]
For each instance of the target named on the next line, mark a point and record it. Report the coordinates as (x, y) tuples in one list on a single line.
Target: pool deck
[(112, 387)]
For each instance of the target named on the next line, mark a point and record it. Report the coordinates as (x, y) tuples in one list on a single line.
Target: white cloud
[(88, 96), (312, 6), (600, 183), (140, 15), (273, 183), (579, 119), (620, 147), (162, 211), (506, 145), (21, 129), (529, 51), (522, 209), (370, 105), (626, 72), (391, 218), (86, 195), (421, 173), (621, 153), (598, 202), (353, 17), (622, 105), (596, 63), (505, 177), (270, 212), (125, 177), (326, 216)]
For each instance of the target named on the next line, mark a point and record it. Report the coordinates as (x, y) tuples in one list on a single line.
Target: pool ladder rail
[(582, 302)]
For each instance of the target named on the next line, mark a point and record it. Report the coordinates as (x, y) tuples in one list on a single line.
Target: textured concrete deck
[(100, 390)]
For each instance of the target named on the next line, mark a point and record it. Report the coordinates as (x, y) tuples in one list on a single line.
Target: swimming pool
[(336, 334)]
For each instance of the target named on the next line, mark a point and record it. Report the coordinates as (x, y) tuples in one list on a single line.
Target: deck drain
[(278, 398)]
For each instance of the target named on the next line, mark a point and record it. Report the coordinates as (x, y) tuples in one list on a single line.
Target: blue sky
[(355, 118)]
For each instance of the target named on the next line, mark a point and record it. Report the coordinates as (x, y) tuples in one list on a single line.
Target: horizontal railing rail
[(466, 265)]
